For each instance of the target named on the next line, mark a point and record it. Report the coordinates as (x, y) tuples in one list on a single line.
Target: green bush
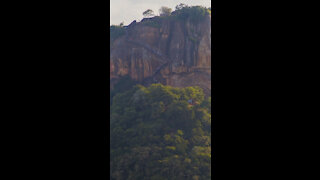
[(121, 86), (194, 13)]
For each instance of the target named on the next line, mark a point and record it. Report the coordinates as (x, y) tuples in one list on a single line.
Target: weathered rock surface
[(175, 53)]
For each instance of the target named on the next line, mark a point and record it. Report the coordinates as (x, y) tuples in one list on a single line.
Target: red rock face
[(176, 53)]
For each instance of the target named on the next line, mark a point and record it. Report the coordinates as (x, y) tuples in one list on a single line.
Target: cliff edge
[(164, 50)]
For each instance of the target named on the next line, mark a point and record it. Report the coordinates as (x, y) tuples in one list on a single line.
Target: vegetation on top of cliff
[(160, 132), (192, 13), (116, 31), (165, 11), (182, 13), (148, 13)]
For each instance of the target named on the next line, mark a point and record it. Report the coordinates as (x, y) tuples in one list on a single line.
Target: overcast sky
[(129, 10)]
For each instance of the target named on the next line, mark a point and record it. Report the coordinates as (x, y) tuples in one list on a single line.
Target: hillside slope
[(156, 134)]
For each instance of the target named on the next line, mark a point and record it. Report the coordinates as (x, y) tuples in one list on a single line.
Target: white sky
[(129, 10)]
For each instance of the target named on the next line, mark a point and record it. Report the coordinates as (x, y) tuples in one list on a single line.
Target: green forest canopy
[(158, 133)]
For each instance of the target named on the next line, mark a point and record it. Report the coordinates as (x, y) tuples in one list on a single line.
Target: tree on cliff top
[(148, 13), (181, 6), (165, 11), (193, 13)]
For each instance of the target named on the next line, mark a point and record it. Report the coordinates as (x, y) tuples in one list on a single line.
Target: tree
[(193, 13), (181, 6), (148, 13), (165, 11)]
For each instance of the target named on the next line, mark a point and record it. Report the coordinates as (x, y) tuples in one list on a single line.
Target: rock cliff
[(164, 50)]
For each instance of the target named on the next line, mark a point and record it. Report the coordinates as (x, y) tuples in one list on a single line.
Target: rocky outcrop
[(164, 50)]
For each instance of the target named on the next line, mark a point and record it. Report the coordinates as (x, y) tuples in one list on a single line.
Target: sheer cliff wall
[(164, 50)]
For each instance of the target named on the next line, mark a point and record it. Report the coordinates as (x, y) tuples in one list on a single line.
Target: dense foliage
[(193, 13), (160, 133), (165, 11), (124, 83)]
